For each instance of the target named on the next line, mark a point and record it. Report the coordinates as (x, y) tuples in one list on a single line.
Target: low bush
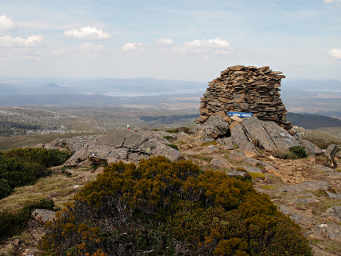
[(296, 152), (14, 223), (44, 157), (169, 138), (171, 208), (186, 130), (24, 166), (5, 188), (173, 146)]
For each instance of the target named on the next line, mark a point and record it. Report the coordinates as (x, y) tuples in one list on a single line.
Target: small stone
[(43, 216), (220, 163)]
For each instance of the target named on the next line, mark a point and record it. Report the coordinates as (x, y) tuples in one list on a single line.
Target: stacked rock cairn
[(246, 89)]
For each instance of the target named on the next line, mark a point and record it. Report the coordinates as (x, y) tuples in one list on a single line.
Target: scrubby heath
[(12, 223), (171, 208), (21, 167)]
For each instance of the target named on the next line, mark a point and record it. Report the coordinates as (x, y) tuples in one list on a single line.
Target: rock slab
[(119, 145)]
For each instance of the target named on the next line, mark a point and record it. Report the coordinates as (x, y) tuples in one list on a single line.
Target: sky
[(179, 39)]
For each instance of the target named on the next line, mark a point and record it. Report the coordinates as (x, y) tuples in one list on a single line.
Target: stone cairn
[(246, 89)]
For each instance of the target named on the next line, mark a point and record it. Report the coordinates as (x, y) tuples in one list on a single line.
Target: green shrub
[(24, 166), (173, 146), (14, 223), (5, 189), (171, 208), (296, 152), (169, 138), (186, 130), (44, 157)]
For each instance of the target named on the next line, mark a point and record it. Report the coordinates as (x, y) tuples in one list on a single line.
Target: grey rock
[(214, 128), (227, 142), (220, 163), (43, 216), (121, 144), (291, 213), (307, 200), (236, 156), (331, 231), (311, 148), (252, 132), (252, 169), (334, 211), (332, 195), (330, 153), (269, 135), (242, 140), (235, 173), (305, 186), (337, 211)]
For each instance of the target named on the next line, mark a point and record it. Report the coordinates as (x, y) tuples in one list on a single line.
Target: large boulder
[(121, 144), (215, 127), (311, 148), (252, 134), (43, 216), (242, 140), (330, 153), (269, 135)]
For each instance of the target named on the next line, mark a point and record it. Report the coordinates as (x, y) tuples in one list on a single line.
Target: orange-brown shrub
[(172, 208)]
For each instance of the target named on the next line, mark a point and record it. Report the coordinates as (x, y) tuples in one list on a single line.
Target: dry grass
[(57, 187), (257, 175), (201, 157), (267, 187), (322, 138), (209, 143), (11, 142)]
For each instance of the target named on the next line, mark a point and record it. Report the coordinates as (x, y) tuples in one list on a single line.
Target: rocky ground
[(308, 192), (304, 189)]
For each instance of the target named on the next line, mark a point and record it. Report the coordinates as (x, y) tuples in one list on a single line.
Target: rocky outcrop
[(120, 145), (246, 89), (215, 127), (252, 134), (310, 147), (43, 216), (330, 153)]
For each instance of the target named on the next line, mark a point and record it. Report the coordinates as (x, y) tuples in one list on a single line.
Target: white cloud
[(90, 48), (87, 48), (335, 53), (59, 52), (331, 1), (87, 33), (165, 41), (6, 23), (133, 46), (218, 43), (217, 46), (9, 41)]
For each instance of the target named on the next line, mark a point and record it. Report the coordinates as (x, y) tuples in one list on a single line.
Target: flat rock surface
[(267, 135), (120, 144)]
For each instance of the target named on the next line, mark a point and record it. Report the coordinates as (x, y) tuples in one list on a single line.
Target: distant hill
[(313, 121), (305, 120), (100, 86)]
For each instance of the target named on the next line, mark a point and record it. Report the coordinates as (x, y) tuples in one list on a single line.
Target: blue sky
[(185, 40)]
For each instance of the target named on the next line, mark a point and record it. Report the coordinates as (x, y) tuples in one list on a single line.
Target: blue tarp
[(240, 114)]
